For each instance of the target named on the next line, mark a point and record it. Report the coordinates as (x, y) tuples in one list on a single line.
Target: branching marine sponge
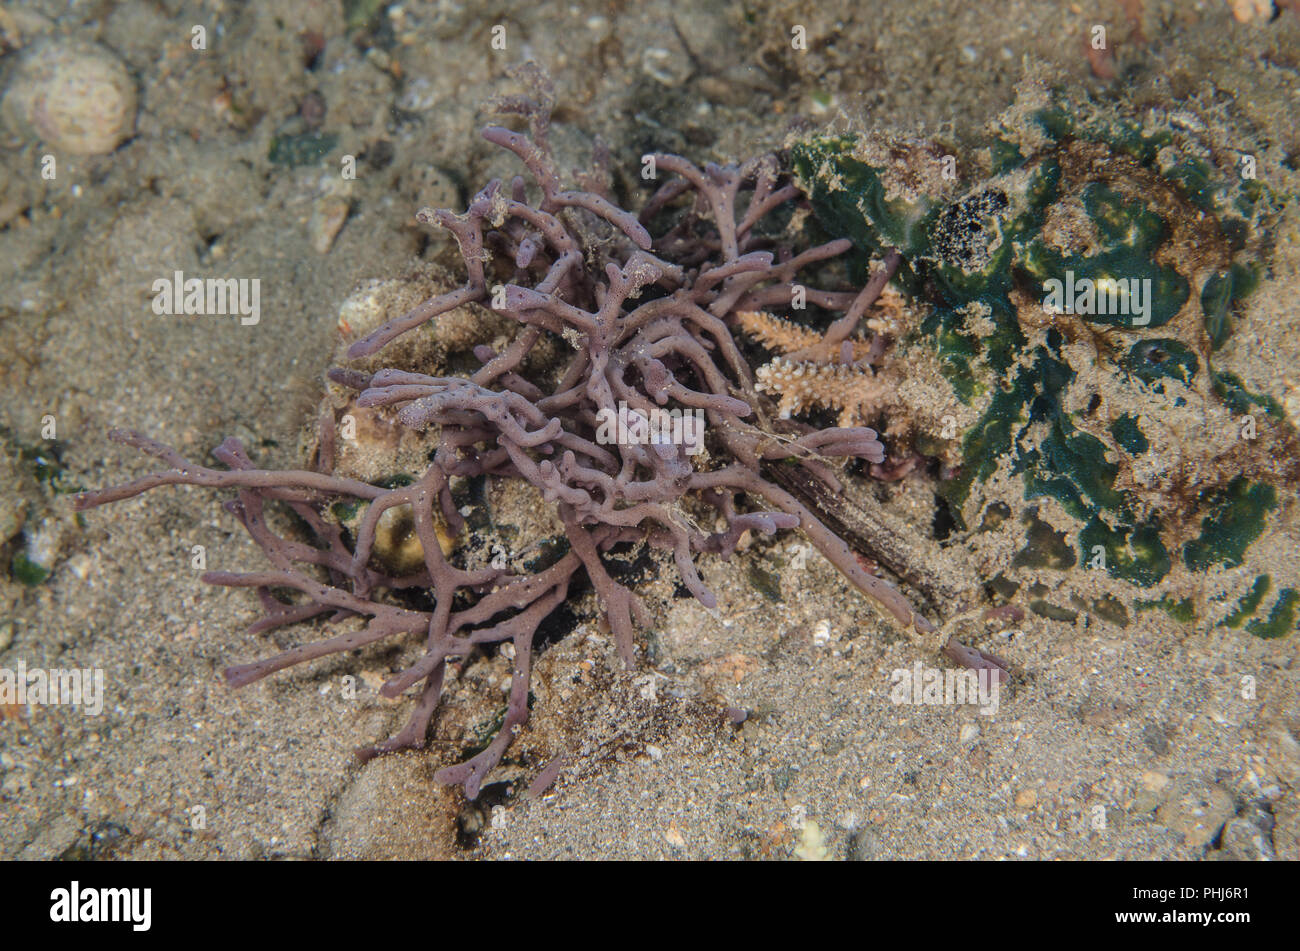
[(647, 322)]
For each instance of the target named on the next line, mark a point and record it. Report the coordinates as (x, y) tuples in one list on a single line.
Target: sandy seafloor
[(1144, 727)]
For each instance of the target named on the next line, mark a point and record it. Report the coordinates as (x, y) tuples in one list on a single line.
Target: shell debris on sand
[(75, 97)]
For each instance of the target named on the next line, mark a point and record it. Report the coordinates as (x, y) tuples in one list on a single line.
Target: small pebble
[(865, 845), (668, 67), (812, 844), (1197, 811), (327, 219), (1154, 781)]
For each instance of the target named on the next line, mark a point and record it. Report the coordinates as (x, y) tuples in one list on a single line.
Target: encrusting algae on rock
[(1079, 284)]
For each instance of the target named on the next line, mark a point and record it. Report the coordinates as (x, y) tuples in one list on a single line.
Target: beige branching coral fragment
[(853, 389), (787, 337), (815, 374)]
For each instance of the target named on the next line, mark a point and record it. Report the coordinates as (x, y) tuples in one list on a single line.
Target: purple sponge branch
[(647, 321)]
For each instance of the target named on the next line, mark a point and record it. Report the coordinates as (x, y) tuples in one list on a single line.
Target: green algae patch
[(1281, 620), (304, 148), (1128, 433), (1235, 518), (1219, 297), (1134, 554), (26, 571), (1236, 397), (1249, 603), (1154, 361), (1183, 611), (765, 582)]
